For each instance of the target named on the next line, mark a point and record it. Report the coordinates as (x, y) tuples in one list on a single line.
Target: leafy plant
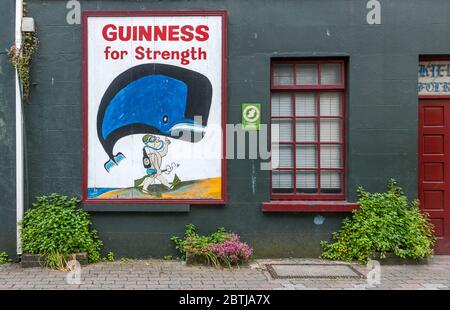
[(195, 243), (221, 247), (57, 260), (385, 222), (110, 257), (55, 226), (168, 257), (21, 58), (4, 258)]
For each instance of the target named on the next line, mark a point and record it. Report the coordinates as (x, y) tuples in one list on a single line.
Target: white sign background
[(434, 78), (196, 160)]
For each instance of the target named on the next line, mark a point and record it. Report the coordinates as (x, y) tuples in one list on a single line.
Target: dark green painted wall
[(381, 106), (7, 133)]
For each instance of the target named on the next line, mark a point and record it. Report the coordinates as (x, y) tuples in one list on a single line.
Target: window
[(308, 105)]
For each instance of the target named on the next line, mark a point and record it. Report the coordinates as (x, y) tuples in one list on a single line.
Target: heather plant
[(232, 252), (219, 248)]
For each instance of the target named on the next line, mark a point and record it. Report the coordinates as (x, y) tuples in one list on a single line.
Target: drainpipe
[(19, 132)]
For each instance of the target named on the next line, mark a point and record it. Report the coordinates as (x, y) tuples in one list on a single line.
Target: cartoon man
[(154, 151)]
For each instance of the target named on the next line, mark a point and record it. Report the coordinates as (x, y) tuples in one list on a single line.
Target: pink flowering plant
[(220, 248), (232, 252)]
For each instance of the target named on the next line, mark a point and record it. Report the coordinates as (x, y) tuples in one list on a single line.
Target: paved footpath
[(158, 274)]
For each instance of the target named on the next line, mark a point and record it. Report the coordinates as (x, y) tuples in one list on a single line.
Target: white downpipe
[(19, 131)]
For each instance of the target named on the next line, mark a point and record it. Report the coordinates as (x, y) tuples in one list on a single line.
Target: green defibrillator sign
[(251, 116)]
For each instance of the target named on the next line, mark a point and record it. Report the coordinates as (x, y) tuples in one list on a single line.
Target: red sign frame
[(85, 16)]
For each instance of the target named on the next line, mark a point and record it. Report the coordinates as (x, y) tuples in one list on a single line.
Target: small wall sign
[(251, 116), (434, 77)]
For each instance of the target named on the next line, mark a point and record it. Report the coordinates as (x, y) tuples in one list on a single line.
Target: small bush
[(219, 248), (385, 222), (55, 226), (4, 258), (232, 252), (110, 257)]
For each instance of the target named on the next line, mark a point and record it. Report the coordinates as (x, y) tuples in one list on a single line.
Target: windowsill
[(309, 206)]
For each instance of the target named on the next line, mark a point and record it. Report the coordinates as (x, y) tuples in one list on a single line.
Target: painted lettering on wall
[(146, 34), (434, 78)]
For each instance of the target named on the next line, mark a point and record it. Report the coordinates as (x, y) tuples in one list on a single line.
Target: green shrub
[(110, 257), (55, 226), (4, 258), (197, 244), (385, 222)]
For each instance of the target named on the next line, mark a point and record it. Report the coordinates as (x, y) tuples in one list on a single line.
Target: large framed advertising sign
[(154, 97)]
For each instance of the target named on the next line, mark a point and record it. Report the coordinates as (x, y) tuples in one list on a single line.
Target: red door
[(434, 167)]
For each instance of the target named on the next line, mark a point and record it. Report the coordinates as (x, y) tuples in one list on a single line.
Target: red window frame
[(317, 89)]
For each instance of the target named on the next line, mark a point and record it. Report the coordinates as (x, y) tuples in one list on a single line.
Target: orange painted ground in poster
[(198, 189)]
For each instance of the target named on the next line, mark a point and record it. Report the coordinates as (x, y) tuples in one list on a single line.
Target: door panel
[(434, 165)]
